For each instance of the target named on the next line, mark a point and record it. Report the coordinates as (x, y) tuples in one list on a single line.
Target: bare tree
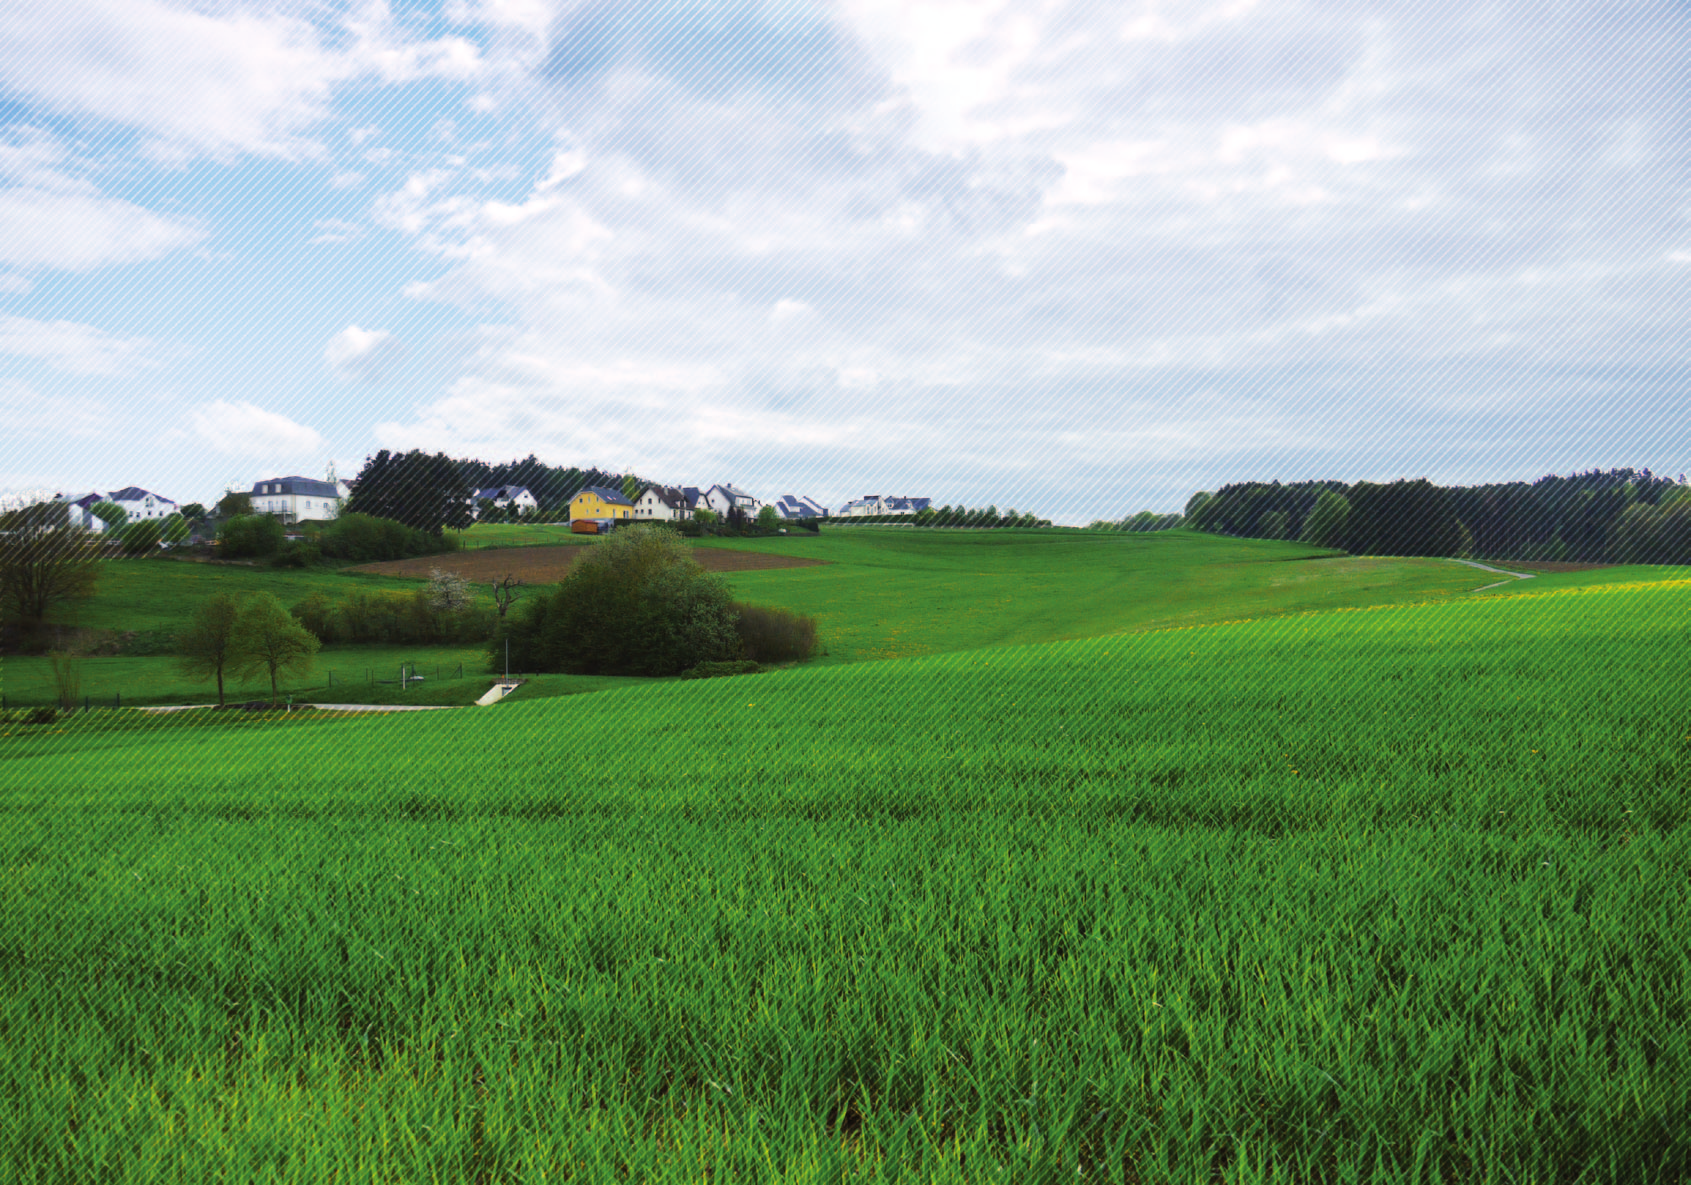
[(43, 561), (505, 593)]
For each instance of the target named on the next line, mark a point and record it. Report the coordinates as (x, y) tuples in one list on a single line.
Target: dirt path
[(1499, 571)]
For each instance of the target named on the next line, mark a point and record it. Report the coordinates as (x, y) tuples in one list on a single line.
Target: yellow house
[(599, 502)]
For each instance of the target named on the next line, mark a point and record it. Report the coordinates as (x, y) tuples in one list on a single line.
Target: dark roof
[(308, 486), (614, 497), (134, 494), (792, 506), (496, 493), (669, 496)]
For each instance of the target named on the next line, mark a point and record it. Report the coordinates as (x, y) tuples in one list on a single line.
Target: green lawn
[(520, 535), (897, 594), (1385, 894)]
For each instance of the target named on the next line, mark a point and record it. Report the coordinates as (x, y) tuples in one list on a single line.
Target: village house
[(662, 504), (790, 506), (503, 496), (600, 504), (723, 498), (135, 502), (296, 499)]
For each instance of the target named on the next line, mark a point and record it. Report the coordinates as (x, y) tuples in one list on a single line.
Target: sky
[(1071, 257)]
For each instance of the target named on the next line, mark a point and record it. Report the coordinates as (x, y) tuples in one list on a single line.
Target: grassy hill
[(882, 594), (1368, 893)]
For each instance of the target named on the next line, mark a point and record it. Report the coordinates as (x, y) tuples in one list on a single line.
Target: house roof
[(793, 506), (308, 487), (135, 494), (692, 494), (669, 496), (614, 497), (505, 493)]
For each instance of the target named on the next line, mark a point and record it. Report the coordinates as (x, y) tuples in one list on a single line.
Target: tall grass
[(1385, 895), (67, 677)]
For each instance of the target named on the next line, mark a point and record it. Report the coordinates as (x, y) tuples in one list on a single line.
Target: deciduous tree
[(269, 641), (206, 649)]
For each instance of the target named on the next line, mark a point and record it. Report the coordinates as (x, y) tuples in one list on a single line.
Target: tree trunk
[(220, 686)]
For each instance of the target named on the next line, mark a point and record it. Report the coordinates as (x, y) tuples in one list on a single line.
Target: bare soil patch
[(548, 565)]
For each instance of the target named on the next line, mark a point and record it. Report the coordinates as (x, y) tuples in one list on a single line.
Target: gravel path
[(1499, 571)]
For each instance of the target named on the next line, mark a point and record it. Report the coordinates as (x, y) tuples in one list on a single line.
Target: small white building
[(790, 506), (503, 496), (663, 504), (296, 499), (135, 502), (884, 504), (722, 498)]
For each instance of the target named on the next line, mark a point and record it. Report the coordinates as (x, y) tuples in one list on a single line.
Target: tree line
[(1598, 516)]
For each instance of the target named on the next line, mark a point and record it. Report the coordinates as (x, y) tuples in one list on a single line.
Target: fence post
[(117, 699)]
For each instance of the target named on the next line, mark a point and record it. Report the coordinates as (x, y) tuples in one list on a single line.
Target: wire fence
[(403, 678)]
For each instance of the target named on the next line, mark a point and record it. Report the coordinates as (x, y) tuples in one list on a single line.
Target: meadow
[(881, 593), (1348, 894)]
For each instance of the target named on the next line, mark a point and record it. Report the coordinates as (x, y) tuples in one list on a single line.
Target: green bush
[(774, 635), (250, 535), (714, 670), (365, 539), (298, 555), (635, 604)]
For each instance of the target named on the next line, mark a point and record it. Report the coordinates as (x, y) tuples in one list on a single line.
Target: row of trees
[(431, 491), (241, 638), (1622, 515)]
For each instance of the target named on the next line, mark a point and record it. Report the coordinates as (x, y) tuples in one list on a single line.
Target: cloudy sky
[(1070, 256)]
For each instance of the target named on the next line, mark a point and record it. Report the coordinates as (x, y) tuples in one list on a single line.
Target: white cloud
[(73, 347), (211, 78), (52, 217), (246, 430), (15, 285), (335, 230), (27, 412), (363, 355)]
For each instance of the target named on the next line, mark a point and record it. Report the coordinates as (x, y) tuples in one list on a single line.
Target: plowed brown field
[(548, 565)]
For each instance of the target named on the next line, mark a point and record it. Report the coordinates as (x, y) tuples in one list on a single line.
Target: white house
[(663, 504), (503, 496), (884, 504), (792, 506), (136, 503), (722, 498), (295, 499)]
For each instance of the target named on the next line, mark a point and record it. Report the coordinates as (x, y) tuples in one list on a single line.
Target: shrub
[(366, 539), (316, 614), (775, 635), (251, 535), (43, 715), (635, 604), (298, 555), (713, 670)]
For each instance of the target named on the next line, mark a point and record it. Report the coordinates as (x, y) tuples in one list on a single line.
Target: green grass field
[(883, 594), (1350, 894)]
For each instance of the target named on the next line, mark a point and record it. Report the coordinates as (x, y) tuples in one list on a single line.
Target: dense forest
[(1600, 516)]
